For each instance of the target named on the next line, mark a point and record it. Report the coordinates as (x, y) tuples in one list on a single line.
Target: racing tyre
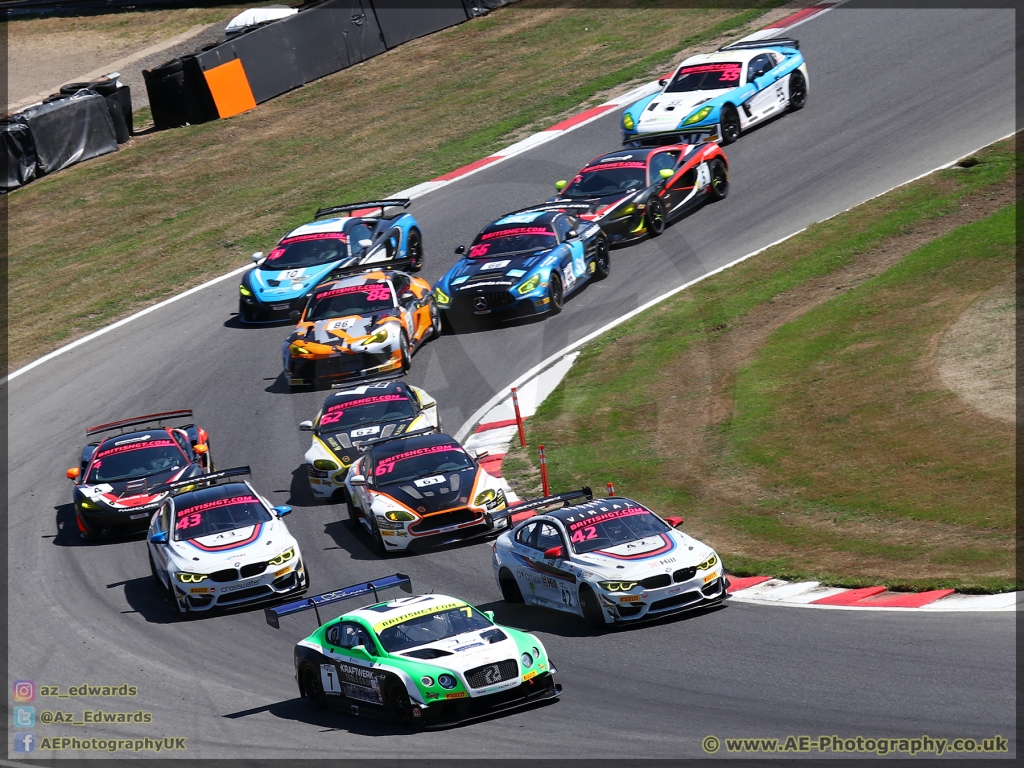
[(435, 321), (602, 263), (797, 91), (156, 577), (730, 124), (414, 250), (719, 180), (312, 688), (378, 539), (406, 355), (591, 609), (510, 591), (353, 514), (246, 313), (555, 294), (655, 217), (399, 706)]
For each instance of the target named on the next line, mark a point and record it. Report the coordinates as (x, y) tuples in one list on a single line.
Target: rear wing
[(316, 602), (561, 500), (369, 204), (185, 413), (209, 478), (771, 42), (551, 206), (371, 380), (362, 445)]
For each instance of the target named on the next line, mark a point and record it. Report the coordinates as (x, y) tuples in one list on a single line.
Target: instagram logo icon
[(24, 690)]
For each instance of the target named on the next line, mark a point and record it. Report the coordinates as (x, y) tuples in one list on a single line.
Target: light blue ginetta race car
[(353, 240), (524, 264), (717, 96)]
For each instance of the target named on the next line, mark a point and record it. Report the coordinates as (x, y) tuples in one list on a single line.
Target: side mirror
[(561, 184), (460, 250), (200, 448), (73, 473), (362, 649), (675, 522), (663, 81), (554, 553), (294, 315), (357, 480), (481, 454), (666, 173), (160, 537), (257, 256), (282, 510), (365, 243), (489, 615), (305, 426), (571, 234)]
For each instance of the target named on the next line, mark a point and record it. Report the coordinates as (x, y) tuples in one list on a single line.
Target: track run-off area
[(894, 93)]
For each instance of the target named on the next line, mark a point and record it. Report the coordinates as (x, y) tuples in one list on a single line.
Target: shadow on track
[(68, 535), (235, 322)]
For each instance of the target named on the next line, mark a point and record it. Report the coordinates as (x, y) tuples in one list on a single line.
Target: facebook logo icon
[(24, 742)]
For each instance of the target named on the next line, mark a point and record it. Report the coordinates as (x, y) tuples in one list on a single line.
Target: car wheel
[(414, 250), (655, 217), (312, 688), (797, 90), (156, 576), (602, 262), (510, 591), (378, 538), (246, 313), (719, 188), (403, 346), (399, 706), (446, 323), (730, 124), (353, 513), (591, 609), (435, 320), (304, 370), (555, 294)]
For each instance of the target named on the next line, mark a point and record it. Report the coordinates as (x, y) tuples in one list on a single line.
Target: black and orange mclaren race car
[(115, 474), (359, 326), (635, 192)]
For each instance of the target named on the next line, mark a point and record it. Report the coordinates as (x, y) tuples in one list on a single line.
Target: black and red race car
[(114, 474), (635, 192)]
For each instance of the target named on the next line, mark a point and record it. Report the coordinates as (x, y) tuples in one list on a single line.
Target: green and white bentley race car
[(426, 660)]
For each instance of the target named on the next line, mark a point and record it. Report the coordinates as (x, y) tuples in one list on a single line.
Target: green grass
[(839, 458), (176, 207)]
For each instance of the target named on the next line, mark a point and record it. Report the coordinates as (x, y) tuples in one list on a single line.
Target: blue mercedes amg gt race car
[(358, 236), (717, 96), (525, 263)]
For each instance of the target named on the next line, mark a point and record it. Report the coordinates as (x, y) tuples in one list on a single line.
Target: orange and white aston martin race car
[(358, 326)]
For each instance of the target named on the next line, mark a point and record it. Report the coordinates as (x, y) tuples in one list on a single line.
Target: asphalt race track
[(894, 93)]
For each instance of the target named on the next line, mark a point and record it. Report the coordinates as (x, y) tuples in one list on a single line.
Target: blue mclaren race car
[(358, 236), (523, 264), (717, 96)]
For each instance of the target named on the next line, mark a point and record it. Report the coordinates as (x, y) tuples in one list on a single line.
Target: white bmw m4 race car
[(220, 546), (609, 560)]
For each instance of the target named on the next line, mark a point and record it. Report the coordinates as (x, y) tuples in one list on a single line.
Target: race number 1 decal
[(329, 679)]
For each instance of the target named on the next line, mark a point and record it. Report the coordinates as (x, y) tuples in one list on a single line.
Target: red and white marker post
[(611, 489), (519, 418), (544, 471)]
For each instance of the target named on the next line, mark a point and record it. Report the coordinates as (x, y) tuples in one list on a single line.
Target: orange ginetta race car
[(358, 326)]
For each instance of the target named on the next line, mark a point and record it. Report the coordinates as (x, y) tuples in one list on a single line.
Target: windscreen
[(512, 240), (608, 179), (350, 300), (219, 516), (421, 462), (421, 630), (610, 529), (374, 409), (127, 462), (307, 251), (706, 77)]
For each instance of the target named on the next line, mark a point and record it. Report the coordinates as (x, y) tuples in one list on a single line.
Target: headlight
[(536, 652), (191, 578), (627, 122), (283, 558), (447, 682), (378, 336), (426, 681), (326, 464), (616, 586), (527, 660), (298, 349), (529, 285), (400, 515), (441, 297), (483, 497), (709, 563), (697, 116), (89, 505), (244, 291), (627, 210)]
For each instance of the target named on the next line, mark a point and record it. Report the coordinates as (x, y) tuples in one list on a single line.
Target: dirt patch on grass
[(976, 358)]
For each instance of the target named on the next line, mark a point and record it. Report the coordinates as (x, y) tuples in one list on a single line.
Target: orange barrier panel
[(230, 88)]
